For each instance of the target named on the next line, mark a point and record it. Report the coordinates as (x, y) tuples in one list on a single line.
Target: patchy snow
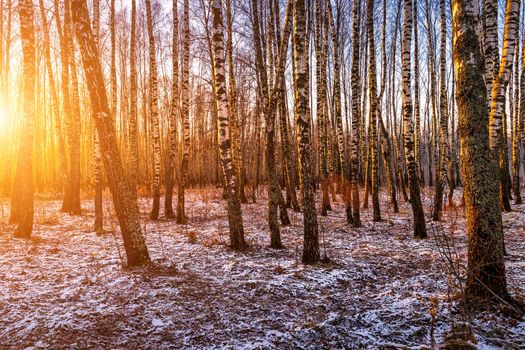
[(65, 288)]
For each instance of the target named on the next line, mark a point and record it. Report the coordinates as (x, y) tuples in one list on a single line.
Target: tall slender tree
[(53, 90), (64, 85), (373, 110), (154, 91), (7, 49), (98, 226), (302, 117), (113, 62), (72, 198), (486, 266), (133, 120), (355, 111), (443, 120), (185, 113), (433, 149), (408, 134), (521, 125), (24, 169), (417, 109), (237, 241), (274, 192), (515, 136), (386, 141), (342, 160), (490, 44), (234, 123), (288, 160), (174, 110), (497, 102), (280, 49), (125, 204), (321, 106)]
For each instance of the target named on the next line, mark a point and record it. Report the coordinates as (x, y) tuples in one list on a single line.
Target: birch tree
[(174, 110), (52, 86), (234, 123), (98, 226), (408, 132), (125, 204), (71, 202), (355, 112), (521, 124), (24, 171), (288, 159), (185, 113), (443, 120), (133, 120), (432, 156), (497, 101), (321, 106), (342, 159), (67, 110), (386, 143), (113, 62), (515, 123), (417, 109), (373, 110), (274, 192), (154, 90), (237, 241), (302, 117), (490, 44)]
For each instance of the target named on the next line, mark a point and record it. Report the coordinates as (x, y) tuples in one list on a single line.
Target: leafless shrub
[(461, 335)]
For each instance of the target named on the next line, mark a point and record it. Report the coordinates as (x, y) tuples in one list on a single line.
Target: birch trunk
[(185, 113), (497, 103), (174, 110), (302, 116), (234, 123), (516, 140), (155, 128), (373, 111), (98, 226), (24, 170), (443, 120), (223, 119), (408, 132), (356, 140), (125, 204), (133, 120)]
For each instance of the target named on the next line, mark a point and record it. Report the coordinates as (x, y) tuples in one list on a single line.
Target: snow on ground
[(66, 288)]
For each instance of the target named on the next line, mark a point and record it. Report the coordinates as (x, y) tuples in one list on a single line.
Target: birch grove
[(265, 118)]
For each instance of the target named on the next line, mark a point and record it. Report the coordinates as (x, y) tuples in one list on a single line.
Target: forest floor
[(66, 287)]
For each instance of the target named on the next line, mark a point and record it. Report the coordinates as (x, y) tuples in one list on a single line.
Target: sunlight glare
[(4, 119)]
